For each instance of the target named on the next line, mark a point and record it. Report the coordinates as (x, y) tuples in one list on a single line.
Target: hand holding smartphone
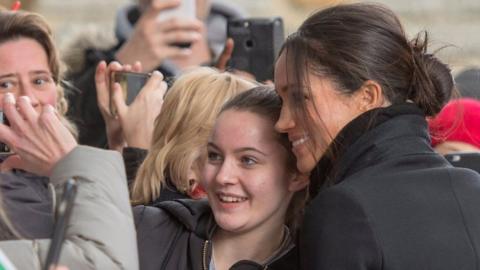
[(186, 10), (131, 83)]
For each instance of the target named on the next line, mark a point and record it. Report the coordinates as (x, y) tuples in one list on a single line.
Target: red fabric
[(458, 121)]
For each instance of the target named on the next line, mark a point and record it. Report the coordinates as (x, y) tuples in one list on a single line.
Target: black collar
[(360, 142)]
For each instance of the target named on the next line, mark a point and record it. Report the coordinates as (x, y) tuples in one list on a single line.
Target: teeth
[(300, 141), (230, 199)]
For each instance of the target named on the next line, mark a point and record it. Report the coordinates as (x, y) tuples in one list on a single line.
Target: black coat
[(394, 203), (175, 235)]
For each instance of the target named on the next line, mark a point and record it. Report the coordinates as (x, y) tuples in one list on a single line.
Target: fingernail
[(9, 98), (156, 73), (48, 108), (25, 98)]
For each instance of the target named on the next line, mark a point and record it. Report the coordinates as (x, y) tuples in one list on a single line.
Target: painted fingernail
[(9, 98), (25, 98)]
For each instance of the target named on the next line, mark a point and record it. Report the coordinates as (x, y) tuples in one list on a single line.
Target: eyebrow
[(34, 72), (239, 150), (7, 75)]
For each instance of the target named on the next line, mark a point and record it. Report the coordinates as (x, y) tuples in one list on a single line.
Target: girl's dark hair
[(264, 101), (350, 44)]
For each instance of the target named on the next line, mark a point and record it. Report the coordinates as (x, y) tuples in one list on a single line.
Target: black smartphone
[(4, 149), (62, 217), (257, 44), (470, 160), (131, 82)]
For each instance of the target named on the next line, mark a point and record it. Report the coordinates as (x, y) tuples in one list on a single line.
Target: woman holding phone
[(355, 95)]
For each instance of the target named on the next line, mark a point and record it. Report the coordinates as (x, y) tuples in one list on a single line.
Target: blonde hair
[(182, 130)]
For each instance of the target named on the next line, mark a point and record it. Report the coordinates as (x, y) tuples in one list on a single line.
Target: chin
[(306, 164), (228, 224)]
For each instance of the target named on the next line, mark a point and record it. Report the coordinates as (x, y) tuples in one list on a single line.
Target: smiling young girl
[(253, 191)]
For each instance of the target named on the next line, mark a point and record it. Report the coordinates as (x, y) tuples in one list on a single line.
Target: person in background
[(101, 232), (141, 37), (29, 67), (356, 93), (255, 198), (457, 127), (468, 83)]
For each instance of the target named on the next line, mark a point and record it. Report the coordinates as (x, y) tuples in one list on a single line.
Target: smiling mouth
[(300, 141), (231, 199)]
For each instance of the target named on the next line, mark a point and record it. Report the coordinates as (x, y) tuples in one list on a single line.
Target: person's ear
[(298, 182), (370, 96)]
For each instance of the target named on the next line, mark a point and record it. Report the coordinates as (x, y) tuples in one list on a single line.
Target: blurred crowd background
[(454, 24)]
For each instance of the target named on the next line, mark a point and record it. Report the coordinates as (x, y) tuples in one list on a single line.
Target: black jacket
[(175, 235), (393, 203)]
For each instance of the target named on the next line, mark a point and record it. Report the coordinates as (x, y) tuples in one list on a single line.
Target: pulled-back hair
[(182, 129), (264, 101), (350, 44)]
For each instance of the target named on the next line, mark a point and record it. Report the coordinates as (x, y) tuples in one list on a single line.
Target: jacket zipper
[(205, 247)]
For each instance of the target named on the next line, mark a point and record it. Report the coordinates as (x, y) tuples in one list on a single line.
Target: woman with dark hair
[(355, 96), (255, 198)]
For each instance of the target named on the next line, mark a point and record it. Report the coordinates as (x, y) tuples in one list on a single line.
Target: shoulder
[(185, 212), (337, 233), (86, 48)]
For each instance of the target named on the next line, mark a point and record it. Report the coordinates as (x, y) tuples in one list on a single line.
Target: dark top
[(176, 235), (393, 203), (27, 201)]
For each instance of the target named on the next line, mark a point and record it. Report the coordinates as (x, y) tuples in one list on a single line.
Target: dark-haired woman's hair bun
[(432, 82)]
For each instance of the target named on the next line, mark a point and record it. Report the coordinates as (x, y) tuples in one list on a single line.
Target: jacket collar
[(368, 139), (197, 217)]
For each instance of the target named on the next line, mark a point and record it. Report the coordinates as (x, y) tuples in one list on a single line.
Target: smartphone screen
[(131, 83), (63, 213), (186, 10)]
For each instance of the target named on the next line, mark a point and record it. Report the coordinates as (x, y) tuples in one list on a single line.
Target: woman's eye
[(214, 157), (248, 161), (7, 85), (41, 81)]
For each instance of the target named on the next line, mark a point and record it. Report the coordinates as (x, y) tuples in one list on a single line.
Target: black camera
[(257, 44)]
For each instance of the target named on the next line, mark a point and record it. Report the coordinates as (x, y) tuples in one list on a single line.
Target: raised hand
[(116, 140), (152, 41), (137, 119), (39, 140)]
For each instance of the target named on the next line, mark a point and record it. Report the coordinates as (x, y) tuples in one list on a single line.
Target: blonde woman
[(185, 118)]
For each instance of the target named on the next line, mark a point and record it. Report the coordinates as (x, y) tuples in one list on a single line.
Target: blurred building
[(452, 24)]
